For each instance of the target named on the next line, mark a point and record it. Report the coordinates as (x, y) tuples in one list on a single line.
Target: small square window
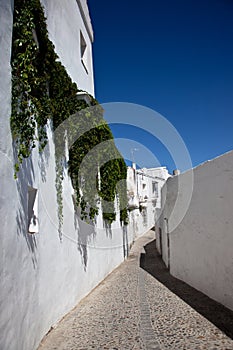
[(83, 45), (83, 49)]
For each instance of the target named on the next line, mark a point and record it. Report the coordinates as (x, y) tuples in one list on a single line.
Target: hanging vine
[(42, 90)]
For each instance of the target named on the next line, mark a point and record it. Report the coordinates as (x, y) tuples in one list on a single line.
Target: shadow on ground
[(219, 315)]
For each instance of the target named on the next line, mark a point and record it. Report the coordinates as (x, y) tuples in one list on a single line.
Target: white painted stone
[(64, 22), (201, 245), (43, 278), (143, 202)]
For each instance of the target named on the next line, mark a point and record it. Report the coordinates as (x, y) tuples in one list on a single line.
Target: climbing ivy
[(42, 90)]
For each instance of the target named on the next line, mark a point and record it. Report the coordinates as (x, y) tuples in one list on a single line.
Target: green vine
[(42, 90)]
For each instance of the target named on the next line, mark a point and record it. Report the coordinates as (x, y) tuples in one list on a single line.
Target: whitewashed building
[(197, 247), (144, 197), (42, 276)]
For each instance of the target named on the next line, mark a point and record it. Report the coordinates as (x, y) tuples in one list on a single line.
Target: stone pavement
[(131, 309)]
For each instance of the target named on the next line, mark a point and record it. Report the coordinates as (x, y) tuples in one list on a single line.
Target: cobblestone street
[(132, 309)]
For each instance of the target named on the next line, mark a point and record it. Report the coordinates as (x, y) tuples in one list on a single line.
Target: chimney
[(176, 172), (134, 165)]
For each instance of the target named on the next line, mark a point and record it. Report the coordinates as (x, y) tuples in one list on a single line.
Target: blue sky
[(175, 57)]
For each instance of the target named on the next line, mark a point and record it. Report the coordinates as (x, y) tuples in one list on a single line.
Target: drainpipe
[(168, 245)]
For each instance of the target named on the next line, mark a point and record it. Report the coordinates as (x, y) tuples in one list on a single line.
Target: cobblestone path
[(131, 309)]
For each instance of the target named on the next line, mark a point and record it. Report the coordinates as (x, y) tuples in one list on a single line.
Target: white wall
[(9, 239), (140, 194), (64, 22), (43, 278), (201, 245)]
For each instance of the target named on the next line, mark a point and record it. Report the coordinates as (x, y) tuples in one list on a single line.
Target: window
[(155, 188), (83, 51), (83, 45), (32, 210)]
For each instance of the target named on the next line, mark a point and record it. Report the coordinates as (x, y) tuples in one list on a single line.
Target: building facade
[(144, 197), (198, 248), (45, 274)]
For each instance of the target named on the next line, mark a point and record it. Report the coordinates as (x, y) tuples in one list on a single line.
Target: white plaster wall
[(201, 246), (161, 175), (139, 186), (84, 9), (77, 264), (12, 258), (64, 22), (167, 201), (43, 278)]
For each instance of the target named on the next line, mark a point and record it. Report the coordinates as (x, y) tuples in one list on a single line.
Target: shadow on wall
[(26, 176), (108, 228), (216, 313), (85, 234), (125, 242), (44, 162)]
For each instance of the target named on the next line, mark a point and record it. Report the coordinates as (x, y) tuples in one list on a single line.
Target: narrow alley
[(141, 306)]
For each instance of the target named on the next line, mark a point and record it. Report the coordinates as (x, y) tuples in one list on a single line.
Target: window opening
[(83, 47)]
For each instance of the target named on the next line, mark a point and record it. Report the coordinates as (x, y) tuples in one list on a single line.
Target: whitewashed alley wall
[(201, 246), (65, 21), (43, 278)]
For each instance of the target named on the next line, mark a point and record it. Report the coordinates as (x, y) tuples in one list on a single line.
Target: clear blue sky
[(174, 56)]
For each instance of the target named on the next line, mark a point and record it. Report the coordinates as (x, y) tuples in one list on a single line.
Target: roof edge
[(83, 8)]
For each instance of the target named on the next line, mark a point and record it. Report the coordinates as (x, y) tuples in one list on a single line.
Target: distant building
[(144, 196)]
